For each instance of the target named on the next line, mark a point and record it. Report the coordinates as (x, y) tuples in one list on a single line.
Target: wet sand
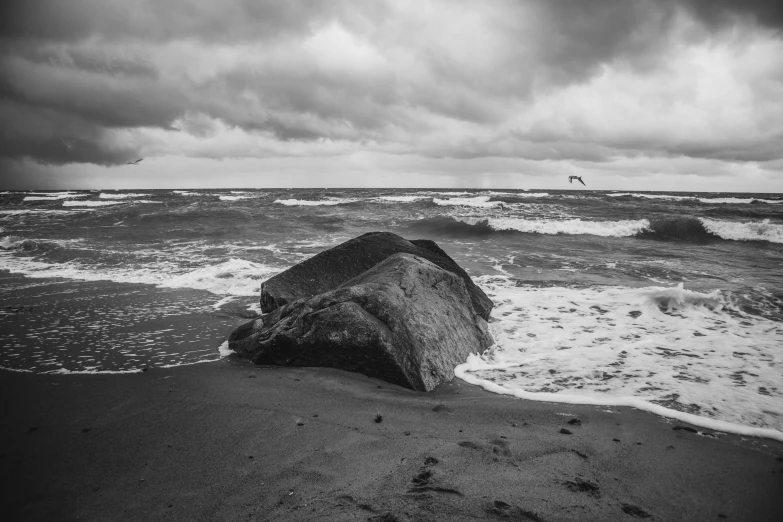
[(228, 441)]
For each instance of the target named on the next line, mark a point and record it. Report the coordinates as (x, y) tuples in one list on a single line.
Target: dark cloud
[(319, 104), (548, 145), (535, 151), (767, 150), (768, 13), (581, 36), (50, 136), (107, 100), (67, 73), (154, 20), (45, 63)]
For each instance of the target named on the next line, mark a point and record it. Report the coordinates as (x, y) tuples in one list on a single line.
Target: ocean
[(669, 302)]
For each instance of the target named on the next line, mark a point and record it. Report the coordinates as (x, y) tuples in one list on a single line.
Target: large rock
[(333, 267), (406, 321)]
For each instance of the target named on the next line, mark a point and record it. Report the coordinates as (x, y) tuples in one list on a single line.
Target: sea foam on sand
[(675, 352)]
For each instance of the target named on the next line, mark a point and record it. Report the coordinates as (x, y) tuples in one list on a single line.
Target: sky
[(670, 95)]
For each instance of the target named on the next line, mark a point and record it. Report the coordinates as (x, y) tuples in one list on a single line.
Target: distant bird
[(570, 179), (134, 162)]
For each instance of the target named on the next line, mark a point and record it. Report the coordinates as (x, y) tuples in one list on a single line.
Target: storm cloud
[(104, 81)]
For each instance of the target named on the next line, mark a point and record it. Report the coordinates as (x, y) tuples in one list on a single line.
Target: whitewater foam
[(650, 196), (125, 195), (235, 277), (570, 226), (676, 352), (90, 203), (54, 197), (15, 212), (310, 203), (740, 200), (477, 202), (734, 201), (729, 230), (524, 194), (738, 231), (224, 350), (402, 199)]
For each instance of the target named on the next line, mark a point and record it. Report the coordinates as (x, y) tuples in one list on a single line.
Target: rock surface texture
[(333, 267), (405, 320)]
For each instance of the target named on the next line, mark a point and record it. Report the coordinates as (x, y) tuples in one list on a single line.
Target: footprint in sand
[(635, 511), (422, 481), (583, 486), (498, 446), (504, 510)]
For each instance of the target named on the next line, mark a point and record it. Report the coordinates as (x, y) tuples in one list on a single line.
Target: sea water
[(671, 302)]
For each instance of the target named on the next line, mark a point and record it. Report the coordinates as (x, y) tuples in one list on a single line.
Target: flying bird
[(134, 162), (570, 179)]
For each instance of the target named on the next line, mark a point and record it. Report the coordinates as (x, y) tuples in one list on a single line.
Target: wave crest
[(753, 231), (450, 227), (672, 197), (473, 226), (91, 203), (667, 229), (477, 202), (122, 195), (309, 203), (679, 229)]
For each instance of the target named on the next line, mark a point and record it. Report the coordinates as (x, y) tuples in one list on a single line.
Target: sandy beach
[(229, 441)]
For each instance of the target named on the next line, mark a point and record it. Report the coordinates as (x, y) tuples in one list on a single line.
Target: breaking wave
[(734, 201), (476, 202), (704, 229), (188, 193), (753, 231), (235, 277), (52, 196), (672, 229), (402, 199), (472, 226), (90, 203), (679, 229), (309, 203), (450, 227), (16, 212), (123, 195)]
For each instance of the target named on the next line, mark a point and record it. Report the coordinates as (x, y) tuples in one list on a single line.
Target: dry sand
[(228, 441)]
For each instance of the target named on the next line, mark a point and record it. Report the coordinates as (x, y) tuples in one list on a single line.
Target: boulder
[(331, 268), (405, 321)]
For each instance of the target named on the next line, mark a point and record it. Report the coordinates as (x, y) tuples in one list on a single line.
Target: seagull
[(134, 162), (570, 179)]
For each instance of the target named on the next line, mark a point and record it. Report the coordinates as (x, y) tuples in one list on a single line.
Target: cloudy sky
[(643, 95)]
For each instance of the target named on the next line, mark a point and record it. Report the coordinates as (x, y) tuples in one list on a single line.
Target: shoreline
[(229, 440), (716, 425)]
